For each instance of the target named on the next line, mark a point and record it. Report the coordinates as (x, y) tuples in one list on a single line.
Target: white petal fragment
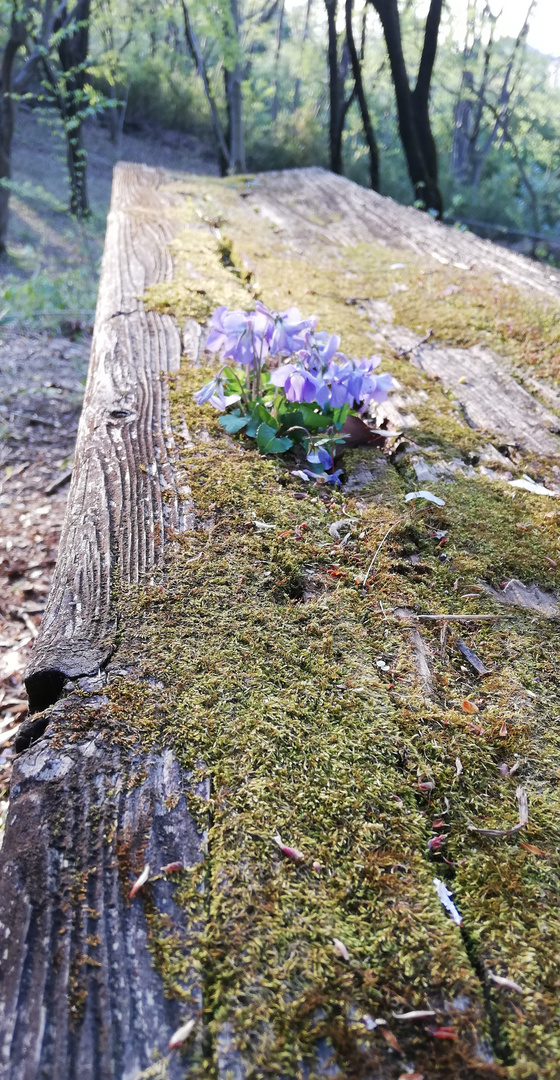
[(458, 766), (341, 949), (509, 984), (424, 495), (417, 1014), (529, 485), (140, 881), (445, 897), (181, 1035)]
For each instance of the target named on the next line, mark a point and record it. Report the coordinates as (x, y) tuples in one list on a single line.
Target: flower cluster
[(284, 376)]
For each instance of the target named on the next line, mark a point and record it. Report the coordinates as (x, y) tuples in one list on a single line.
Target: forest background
[(446, 106)]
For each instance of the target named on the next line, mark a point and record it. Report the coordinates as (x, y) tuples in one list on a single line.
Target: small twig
[(462, 618), (59, 482), (405, 352)]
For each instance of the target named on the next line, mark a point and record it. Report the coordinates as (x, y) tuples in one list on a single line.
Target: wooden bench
[(201, 683)]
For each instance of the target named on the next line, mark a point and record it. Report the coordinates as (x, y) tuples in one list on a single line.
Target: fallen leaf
[(140, 881), (357, 433), (469, 707), (503, 731), (172, 868), (532, 848), (391, 1039), (411, 1076), (442, 1032), (181, 1035), (341, 949), (437, 842), (508, 984)]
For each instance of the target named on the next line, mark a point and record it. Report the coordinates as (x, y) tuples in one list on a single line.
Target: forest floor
[(48, 285)]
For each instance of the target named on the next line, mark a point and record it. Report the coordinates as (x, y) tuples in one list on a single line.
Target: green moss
[(268, 646)]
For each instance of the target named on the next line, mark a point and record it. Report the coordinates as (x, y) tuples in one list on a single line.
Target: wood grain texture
[(491, 398), (81, 996), (315, 206), (124, 498)]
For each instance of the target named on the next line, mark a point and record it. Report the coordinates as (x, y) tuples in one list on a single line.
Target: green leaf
[(232, 423), (259, 416), (305, 417), (268, 443)]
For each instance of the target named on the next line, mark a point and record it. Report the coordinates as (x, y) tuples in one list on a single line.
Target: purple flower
[(297, 382), (323, 345), (325, 478), (240, 337), (212, 392), (285, 328), (320, 456)]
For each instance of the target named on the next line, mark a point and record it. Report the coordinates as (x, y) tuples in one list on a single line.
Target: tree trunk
[(297, 87), (72, 52), (369, 133), (234, 94), (335, 92), (276, 98), (198, 60), (14, 42), (413, 107)]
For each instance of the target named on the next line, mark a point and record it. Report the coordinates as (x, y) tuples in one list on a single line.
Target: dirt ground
[(43, 367)]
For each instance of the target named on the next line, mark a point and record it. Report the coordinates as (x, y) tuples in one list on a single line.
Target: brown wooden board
[(124, 496), (219, 681)]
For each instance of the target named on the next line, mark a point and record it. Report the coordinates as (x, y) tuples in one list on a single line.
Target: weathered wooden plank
[(124, 498), (81, 996), (282, 698), (315, 206)]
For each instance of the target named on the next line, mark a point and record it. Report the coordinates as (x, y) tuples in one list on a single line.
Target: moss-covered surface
[(294, 689)]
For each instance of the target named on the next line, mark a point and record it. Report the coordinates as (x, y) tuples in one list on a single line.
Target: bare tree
[(413, 105), (473, 135)]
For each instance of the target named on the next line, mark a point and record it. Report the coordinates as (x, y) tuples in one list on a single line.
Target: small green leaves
[(268, 443), (233, 423)]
